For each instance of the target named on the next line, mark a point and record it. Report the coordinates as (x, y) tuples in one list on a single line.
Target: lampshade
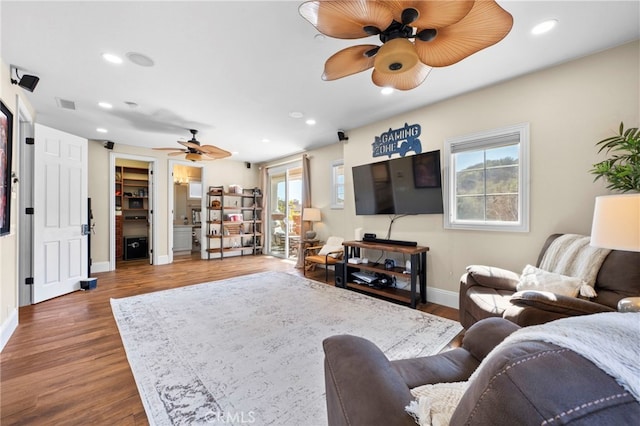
[(616, 222), (311, 214)]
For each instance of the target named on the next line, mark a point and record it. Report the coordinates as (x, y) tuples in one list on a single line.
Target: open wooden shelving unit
[(233, 222), (417, 276)]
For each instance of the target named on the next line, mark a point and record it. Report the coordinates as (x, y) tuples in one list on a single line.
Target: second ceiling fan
[(194, 151)]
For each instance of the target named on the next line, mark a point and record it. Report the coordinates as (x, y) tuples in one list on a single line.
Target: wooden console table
[(418, 274)]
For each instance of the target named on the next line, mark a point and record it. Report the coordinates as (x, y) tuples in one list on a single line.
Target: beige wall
[(320, 161), (220, 172), (569, 107), (320, 171), (9, 243)]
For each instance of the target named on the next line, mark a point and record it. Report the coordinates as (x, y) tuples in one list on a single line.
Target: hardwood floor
[(66, 365)]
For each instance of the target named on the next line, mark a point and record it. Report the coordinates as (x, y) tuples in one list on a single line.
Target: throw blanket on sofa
[(610, 340), (571, 255)]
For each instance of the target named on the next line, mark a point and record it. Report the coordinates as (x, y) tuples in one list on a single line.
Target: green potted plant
[(622, 169)]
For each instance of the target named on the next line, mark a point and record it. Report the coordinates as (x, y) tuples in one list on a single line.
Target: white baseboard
[(163, 260), (8, 328), (100, 267), (442, 297)]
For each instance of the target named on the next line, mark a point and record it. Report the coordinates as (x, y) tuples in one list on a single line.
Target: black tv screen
[(405, 185)]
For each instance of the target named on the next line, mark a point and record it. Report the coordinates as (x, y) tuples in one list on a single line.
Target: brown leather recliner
[(527, 383), (489, 292)]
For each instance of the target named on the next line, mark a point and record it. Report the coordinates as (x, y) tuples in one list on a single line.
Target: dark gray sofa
[(490, 293), (528, 383)]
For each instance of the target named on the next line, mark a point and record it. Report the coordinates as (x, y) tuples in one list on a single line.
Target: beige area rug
[(248, 350)]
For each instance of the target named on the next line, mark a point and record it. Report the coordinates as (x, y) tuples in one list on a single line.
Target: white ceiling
[(235, 69)]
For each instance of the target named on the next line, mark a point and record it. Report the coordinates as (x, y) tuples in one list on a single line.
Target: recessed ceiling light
[(265, 140), (101, 130), (140, 59), (386, 90), (296, 114), (544, 26), (105, 105), (310, 122), (235, 153), (109, 57)]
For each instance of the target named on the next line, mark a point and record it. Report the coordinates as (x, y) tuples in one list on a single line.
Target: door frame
[(170, 203), (271, 171), (25, 222), (113, 156)]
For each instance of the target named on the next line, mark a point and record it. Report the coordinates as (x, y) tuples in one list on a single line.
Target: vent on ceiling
[(66, 104)]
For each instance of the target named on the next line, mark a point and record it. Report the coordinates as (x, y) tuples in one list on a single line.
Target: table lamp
[(616, 225), (310, 214), (616, 222)]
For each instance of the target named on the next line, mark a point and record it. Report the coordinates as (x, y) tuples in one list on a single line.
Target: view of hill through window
[(487, 190)]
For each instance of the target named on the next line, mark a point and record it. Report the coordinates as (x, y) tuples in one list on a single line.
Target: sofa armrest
[(361, 384), (455, 365), (565, 305), (483, 336), (492, 277)]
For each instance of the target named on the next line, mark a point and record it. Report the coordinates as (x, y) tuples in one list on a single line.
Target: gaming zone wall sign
[(398, 141)]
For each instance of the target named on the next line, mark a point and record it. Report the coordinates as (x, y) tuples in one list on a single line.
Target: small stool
[(629, 304)]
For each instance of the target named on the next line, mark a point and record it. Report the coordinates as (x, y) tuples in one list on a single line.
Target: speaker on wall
[(341, 275), (248, 164)]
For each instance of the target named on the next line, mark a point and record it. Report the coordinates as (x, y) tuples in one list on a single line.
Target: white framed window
[(487, 180), (337, 184), (195, 190)]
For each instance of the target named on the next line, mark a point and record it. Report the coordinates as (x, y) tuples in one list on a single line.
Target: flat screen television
[(405, 185)]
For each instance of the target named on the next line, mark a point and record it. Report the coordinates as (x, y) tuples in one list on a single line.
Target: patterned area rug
[(248, 350)]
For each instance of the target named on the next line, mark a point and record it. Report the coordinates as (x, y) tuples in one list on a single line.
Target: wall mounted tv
[(405, 185)]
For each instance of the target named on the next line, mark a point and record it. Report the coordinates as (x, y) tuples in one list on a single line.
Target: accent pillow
[(333, 244), (328, 249), (533, 278)]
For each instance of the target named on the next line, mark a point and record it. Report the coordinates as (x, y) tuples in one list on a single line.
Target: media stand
[(418, 274)]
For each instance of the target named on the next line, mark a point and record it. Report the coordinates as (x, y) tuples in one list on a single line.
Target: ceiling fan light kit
[(191, 156), (396, 56), (415, 35)]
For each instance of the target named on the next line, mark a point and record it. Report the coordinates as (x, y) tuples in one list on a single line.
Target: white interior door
[(60, 210)]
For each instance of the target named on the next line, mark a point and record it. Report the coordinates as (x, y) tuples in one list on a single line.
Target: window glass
[(337, 189), (486, 180)]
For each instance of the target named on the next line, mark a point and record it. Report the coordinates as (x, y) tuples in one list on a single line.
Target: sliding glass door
[(285, 210)]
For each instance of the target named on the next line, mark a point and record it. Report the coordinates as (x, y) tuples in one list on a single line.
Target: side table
[(302, 245)]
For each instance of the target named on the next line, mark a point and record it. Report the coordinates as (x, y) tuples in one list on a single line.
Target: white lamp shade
[(616, 222), (310, 214)]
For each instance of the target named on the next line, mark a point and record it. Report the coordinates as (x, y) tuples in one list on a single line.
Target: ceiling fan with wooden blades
[(416, 35), (195, 152)]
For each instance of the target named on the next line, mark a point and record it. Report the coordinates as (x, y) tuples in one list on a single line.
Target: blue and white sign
[(398, 141)]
